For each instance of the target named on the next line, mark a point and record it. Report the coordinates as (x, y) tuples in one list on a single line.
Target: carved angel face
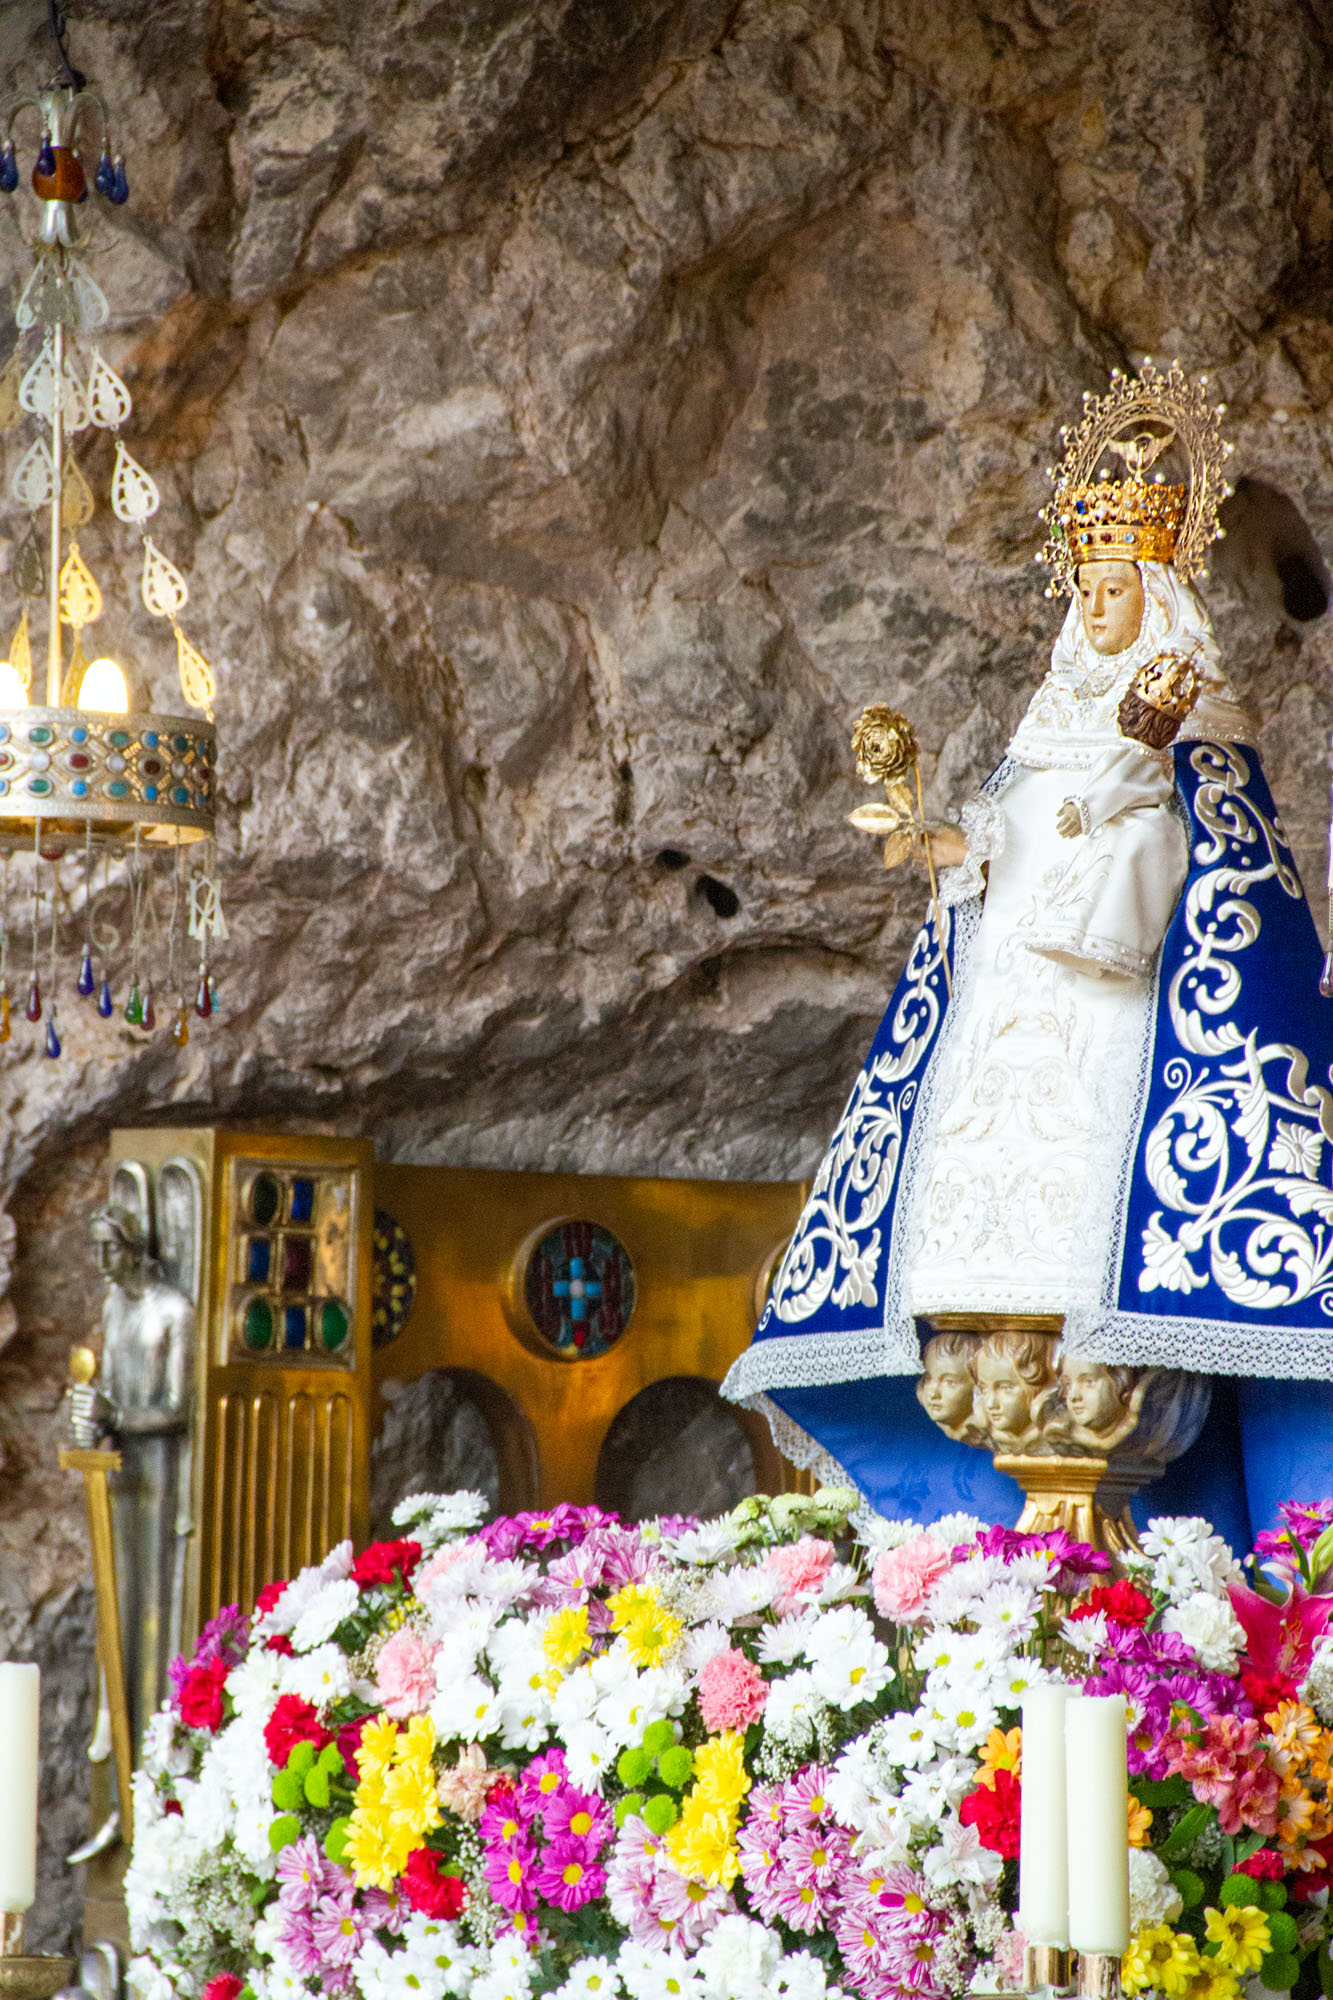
[(945, 1389), (1092, 1396), (1005, 1396), (1111, 594)]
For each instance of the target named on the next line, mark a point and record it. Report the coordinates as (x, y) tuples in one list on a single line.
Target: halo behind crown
[(1138, 519)]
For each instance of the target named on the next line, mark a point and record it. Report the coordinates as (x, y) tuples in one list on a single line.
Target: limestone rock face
[(570, 415)]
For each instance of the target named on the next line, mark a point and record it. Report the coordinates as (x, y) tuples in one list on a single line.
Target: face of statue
[(1005, 1396), (1091, 1396), (115, 1260), (1112, 597), (946, 1389)]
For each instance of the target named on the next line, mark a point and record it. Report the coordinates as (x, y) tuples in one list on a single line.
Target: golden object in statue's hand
[(884, 742), (902, 833)]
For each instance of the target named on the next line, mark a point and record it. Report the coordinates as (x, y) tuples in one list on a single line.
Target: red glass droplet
[(149, 1010), (33, 1010), (203, 1002)]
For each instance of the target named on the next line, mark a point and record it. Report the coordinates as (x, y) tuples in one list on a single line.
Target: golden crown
[(1169, 682), (1137, 519)]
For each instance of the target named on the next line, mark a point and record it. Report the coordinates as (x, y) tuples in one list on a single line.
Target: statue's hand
[(88, 1410), (948, 845), (1069, 820)]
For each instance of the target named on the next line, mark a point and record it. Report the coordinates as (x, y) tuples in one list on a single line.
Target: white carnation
[(1210, 1627), (1153, 1896), (1317, 1687), (325, 1612), (739, 1959), (321, 1677)]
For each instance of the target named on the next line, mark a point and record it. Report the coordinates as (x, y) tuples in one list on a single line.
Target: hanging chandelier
[(93, 787)]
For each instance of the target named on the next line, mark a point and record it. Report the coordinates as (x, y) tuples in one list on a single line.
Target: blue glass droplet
[(46, 159), (9, 171), (86, 980), (105, 1004), (105, 177), (120, 187), (52, 1038)]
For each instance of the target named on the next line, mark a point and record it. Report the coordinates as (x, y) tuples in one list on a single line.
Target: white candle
[(1097, 1794), (1043, 1868), (20, 1697)]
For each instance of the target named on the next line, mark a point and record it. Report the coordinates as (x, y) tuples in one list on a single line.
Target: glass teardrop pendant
[(104, 179), (203, 1000), (46, 158), (149, 1010), (1326, 982), (9, 170), (134, 1007), (4, 1017), (180, 1034), (33, 1010), (120, 187), (52, 1038), (105, 1004), (86, 981)]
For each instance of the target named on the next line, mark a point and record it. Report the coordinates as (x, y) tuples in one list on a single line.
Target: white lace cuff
[(983, 823)]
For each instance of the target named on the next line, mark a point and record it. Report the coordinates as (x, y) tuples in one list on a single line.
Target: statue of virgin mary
[(1099, 1099)]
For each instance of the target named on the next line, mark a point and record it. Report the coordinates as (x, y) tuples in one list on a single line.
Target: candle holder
[(1046, 1967), (1099, 1975), (29, 1975)]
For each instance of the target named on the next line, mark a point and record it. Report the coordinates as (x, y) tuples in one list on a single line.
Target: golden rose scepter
[(886, 750)]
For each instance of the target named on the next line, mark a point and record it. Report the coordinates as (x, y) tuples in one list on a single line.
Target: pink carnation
[(800, 1569), (903, 1578), (405, 1674), (437, 1564), (732, 1691)]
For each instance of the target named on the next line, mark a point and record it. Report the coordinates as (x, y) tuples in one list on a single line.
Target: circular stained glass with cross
[(579, 1287)]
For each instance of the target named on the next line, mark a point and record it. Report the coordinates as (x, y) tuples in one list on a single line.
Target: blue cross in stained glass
[(577, 1289)]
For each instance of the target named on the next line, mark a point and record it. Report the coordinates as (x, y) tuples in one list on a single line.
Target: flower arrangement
[(759, 1756)]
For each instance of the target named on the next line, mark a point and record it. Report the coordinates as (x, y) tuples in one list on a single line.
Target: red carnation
[(427, 1890), (278, 1642), (173, 1809), (1263, 1866), (348, 1740), (223, 1986), (1120, 1601), (293, 1721), (1267, 1692), (993, 1810), (200, 1699), (264, 1603), (383, 1562)]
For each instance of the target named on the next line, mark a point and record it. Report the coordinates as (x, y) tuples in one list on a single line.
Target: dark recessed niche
[(724, 901), (1271, 553), (673, 858), (1303, 594)]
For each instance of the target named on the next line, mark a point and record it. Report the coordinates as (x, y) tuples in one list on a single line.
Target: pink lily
[(1280, 1638)]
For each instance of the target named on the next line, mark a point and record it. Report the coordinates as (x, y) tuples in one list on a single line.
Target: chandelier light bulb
[(103, 688)]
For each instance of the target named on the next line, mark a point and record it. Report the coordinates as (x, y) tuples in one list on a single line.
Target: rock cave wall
[(570, 413)]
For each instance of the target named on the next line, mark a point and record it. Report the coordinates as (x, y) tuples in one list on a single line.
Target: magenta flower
[(305, 1874), (296, 1936), (570, 1876), (543, 1779), (803, 1798), (575, 1815), (337, 1928), (1280, 1638), (510, 1871)]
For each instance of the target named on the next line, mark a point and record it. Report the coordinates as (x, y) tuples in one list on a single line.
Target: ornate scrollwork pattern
[(1236, 1158)]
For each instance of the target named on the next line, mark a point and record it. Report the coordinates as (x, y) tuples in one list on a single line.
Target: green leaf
[(335, 1840), (1190, 1886), (1282, 1931), (1321, 1555), (1238, 1892), (1163, 1793), (288, 1791), (1280, 1971), (1229, 1856), (1185, 1832), (283, 1832), (1325, 1971)]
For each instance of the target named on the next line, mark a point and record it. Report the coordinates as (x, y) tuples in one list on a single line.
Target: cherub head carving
[(1100, 1404), (1015, 1384), (947, 1390)]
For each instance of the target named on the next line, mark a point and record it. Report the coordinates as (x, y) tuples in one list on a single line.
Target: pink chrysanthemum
[(570, 1876), (337, 1928), (800, 1569), (732, 1691), (405, 1673)]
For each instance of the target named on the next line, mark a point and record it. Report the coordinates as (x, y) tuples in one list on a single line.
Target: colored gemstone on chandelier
[(86, 980), (203, 1000), (52, 1038), (1326, 983), (105, 177), (134, 1007), (293, 1326), (257, 1323), (4, 1017), (46, 161), (120, 187), (105, 1004), (58, 175), (297, 1263), (265, 1198), (149, 1010), (180, 1034), (33, 1010), (258, 1259), (303, 1200), (9, 170), (334, 1325)]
